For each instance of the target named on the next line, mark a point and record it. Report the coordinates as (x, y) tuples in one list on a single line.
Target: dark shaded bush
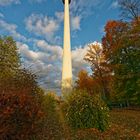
[(51, 125), (20, 106), (85, 111)]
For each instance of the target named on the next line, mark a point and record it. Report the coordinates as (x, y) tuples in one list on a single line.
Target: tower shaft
[(67, 66)]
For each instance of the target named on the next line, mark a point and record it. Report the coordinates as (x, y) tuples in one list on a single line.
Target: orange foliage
[(20, 114), (113, 38), (86, 82), (20, 107), (101, 74)]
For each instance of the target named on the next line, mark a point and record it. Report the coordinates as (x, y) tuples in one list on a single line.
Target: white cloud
[(11, 29), (47, 62), (75, 22), (8, 2), (60, 15), (84, 8), (38, 1), (42, 25), (78, 55), (27, 53), (47, 54), (78, 62), (1, 15), (102, 29), (45, 26), (115, 4), (81, 9), (55, 50), (7, 26), (44, 62)]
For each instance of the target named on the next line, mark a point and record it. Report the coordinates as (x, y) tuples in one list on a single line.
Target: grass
[(124, 125), (129, 119)]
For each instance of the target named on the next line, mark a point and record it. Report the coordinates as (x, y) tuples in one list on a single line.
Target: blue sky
[(37, 26)]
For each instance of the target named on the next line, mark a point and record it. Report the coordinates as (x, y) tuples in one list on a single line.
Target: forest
[(104, 105)]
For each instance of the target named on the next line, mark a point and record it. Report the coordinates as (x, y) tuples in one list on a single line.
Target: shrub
[(51, 125), (85, 111), (20, 115), (20, 105), (26, 113)]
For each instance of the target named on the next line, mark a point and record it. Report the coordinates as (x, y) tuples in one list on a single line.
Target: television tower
[(67, 66)]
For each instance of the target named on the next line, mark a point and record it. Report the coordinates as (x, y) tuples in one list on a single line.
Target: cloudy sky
[(37, 26)]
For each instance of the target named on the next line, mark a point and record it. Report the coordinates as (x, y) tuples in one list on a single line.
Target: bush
[(26, 113), (85, 111), (51, 125), (20, 115)]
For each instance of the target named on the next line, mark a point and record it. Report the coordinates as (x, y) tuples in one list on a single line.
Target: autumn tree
[(26, 112), (21, 107), (85, 82), (122, 51), (96, 59), (130, 9), (20, 96)]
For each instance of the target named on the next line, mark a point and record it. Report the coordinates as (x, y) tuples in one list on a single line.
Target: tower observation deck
[(64, 1)]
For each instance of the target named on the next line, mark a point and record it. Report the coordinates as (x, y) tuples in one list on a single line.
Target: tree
[(21, 110), (9, 57), (85, 82), (9, 61), (52, 127), (130, 9), (85, 111), (20, 97), (26, 113), (121, 48), (96, 59)]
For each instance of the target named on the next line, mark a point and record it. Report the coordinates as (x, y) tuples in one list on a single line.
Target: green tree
[(9, 61), (121, 48), (9, 57), (86, 111)]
